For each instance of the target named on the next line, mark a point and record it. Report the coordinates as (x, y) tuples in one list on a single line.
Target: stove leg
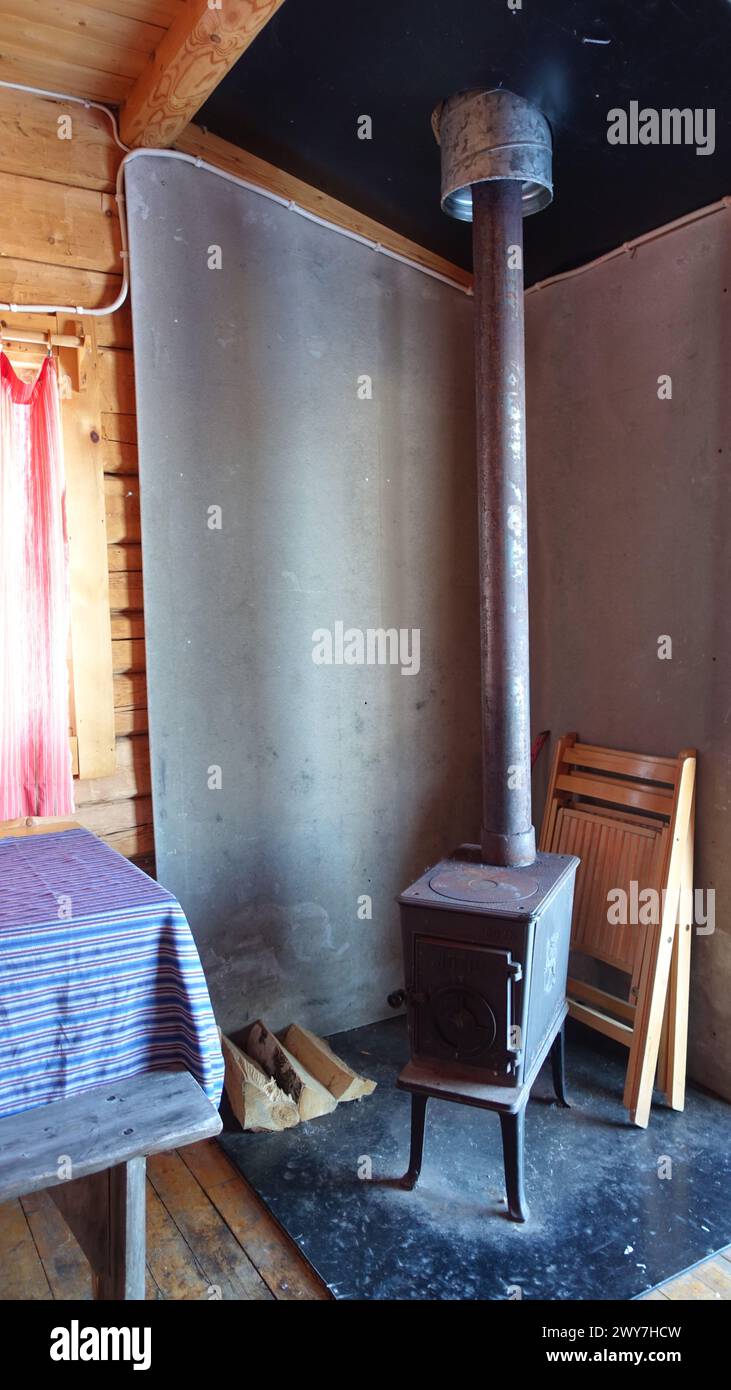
[(513, 1132), (557, 1066), (418, 1119)]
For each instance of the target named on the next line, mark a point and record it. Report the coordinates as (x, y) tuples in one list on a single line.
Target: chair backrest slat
[(612, 809)]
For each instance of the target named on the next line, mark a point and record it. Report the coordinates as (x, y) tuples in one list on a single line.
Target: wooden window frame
[(91, 695)]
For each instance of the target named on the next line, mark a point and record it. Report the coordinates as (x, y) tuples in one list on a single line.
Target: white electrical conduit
[(301, 212), (80, 310), (628, 247)]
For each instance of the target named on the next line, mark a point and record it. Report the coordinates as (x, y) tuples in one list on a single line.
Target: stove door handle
[(399, 997)]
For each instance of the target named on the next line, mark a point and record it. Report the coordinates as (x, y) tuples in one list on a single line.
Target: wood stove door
[(460, 1004)]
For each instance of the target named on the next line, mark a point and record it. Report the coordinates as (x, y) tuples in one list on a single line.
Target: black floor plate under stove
[(604, 1224)]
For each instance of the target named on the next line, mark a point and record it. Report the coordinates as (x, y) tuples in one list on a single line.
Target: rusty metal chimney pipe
[(508, 837), (496, 168)]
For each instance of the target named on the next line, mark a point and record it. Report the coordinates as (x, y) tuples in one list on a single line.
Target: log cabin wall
[(59, 235)]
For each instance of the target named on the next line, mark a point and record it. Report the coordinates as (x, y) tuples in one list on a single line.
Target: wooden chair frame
[(630, 810)]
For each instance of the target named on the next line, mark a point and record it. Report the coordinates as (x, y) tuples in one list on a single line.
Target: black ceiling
[(295, 96)]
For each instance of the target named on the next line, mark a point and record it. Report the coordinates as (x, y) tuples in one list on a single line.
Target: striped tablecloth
[(99, 974)]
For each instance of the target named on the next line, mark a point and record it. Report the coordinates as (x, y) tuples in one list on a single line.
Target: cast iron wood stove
[(486, 932)]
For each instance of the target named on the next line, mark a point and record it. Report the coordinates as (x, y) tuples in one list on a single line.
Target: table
[(100, 978)]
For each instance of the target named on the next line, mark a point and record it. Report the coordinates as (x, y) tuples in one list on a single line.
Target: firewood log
[(309, 1095), (256, 1100), (320, 1060)]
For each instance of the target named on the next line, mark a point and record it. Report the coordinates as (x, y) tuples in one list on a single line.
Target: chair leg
[(513, 1134), (677, 1000), (418, 1119), (558, 1068)]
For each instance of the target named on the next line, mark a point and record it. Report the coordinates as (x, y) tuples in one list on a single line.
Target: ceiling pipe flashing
[(486, 135)]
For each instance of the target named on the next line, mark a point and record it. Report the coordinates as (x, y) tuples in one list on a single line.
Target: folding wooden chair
[(630, 819)]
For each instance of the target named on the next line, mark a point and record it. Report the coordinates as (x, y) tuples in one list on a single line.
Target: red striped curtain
[(35, 761)]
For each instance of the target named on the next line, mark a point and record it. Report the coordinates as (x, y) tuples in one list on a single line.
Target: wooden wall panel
[(20, 63), (119, 458), (124, 557), (58, 225), (123, 510), (34, 282), (125, 592), (64, 246), (29, 138), (117, 382), (121, 429)]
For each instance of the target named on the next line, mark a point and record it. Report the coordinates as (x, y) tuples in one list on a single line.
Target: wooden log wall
[(59, 243)]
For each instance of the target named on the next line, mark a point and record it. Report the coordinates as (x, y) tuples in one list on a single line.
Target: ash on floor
[(605, 1223)]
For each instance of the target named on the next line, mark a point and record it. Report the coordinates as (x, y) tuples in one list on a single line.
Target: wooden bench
[(89, 1151)]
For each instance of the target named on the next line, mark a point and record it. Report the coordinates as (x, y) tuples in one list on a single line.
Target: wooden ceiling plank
[(162, 12), (74, 48), (89, 25), (17, 64), (194, 56)]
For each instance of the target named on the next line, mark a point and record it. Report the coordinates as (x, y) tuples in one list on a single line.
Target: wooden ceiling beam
[(197, 51)]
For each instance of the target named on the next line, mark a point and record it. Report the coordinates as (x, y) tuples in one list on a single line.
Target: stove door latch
[(399, 997), (515, 971)]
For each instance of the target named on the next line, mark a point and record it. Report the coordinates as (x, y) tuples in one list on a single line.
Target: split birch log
[(256, 1100), (331, 1071), (310, 1096)]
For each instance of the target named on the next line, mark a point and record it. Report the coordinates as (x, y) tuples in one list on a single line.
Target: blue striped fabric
[(99, 974)]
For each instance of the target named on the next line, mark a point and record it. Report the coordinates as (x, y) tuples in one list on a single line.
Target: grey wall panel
[(348, 780), (630, 511), (336, 781)]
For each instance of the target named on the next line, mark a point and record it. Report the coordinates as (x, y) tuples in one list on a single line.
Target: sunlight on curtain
[(35, 761)]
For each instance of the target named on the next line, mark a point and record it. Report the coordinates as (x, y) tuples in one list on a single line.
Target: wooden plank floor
[(208, 1236), (711, 1280)]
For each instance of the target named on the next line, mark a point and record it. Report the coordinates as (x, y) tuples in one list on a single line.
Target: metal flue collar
[(492, 135)]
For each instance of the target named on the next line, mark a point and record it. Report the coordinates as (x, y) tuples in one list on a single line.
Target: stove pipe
[(496, 169)]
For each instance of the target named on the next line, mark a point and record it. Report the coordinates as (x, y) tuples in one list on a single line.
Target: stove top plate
[(464, 883), (482, 883)]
